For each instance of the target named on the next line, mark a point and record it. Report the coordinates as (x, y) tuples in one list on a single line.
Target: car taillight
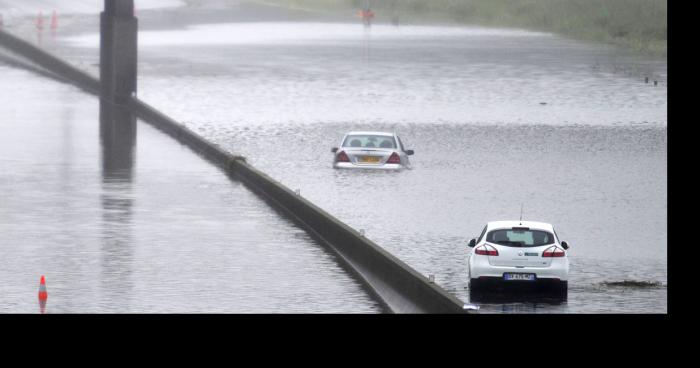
[(486, 250), (342, 157), (394, 159), (553, 251)]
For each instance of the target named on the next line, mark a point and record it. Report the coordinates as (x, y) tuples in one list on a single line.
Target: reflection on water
[(603, 188), (285, 33), (497, 119), (118, 140), (127, 223)]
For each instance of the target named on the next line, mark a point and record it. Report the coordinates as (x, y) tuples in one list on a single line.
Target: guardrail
[(398, 286)]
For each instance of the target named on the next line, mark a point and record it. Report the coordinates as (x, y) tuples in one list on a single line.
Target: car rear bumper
[(349, 165), (479, 267), (500, 283), (541, 274)]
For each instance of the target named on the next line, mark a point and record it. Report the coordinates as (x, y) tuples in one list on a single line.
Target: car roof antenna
[(521, 213)]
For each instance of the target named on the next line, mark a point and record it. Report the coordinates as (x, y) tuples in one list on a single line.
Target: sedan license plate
[(369, 159), (519, 276)]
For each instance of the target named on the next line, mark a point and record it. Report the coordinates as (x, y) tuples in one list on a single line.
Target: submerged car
[(371, 150), (519, 255)]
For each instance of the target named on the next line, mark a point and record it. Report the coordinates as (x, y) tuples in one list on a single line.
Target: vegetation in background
[(636, 24)]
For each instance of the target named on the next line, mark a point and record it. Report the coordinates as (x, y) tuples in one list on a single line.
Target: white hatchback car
[(519, 255)]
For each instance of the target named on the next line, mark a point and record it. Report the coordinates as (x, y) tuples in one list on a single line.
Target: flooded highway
[(498, 118), (129, 221)]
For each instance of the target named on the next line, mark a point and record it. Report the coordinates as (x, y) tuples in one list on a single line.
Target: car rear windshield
[(369, 141), (520, 237)]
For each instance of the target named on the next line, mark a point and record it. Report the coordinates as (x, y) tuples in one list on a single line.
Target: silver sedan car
[(371, 150)]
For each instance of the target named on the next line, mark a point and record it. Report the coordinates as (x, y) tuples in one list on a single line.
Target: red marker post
[(54, 21), (366, 15)]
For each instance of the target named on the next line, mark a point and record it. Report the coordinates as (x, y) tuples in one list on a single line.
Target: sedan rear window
[(520, 237), (369, 141)]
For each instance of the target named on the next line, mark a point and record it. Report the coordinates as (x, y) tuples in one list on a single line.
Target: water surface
[(498, 118), (125, 220)]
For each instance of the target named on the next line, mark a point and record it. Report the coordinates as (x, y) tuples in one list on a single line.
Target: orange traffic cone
[(40, 21), (43, 295), (54, 20)]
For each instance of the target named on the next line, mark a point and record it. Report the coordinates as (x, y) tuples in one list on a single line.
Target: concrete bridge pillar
[(118, 51)]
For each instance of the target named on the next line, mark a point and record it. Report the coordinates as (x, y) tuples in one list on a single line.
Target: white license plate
[(519, 276)]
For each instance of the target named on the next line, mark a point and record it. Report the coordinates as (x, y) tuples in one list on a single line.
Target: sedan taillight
[(486, 250), (553, 251), (394, 159), (342, 157)]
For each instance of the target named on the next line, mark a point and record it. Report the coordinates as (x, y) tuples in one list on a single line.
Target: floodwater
[(122, 219), (498, 118)]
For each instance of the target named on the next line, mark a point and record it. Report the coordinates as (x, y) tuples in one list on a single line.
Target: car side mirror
[(334, 149), (565, 245), (472, 243), (409, 152)]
